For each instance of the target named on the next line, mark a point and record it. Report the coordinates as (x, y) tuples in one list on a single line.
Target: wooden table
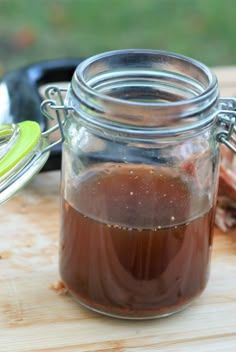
[(34, 318)]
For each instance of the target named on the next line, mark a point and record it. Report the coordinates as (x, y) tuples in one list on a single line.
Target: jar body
[(137, 222), (139, 183)]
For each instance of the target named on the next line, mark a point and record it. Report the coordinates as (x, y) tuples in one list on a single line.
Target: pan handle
[(60, 70)]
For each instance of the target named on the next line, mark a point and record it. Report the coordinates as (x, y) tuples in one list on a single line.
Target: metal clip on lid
[(54, 94)]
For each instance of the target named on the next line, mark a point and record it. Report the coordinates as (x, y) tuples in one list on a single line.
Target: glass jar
[(139, 181)]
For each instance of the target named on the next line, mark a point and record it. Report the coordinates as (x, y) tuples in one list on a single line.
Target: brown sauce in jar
[(135, 242)]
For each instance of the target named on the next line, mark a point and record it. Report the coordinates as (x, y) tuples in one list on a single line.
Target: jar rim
[(87, 62), (197, 81)]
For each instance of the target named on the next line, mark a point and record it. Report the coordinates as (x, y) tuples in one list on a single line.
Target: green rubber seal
[(5, 131), (29, 137)]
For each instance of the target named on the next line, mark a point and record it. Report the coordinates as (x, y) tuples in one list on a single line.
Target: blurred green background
[(35, 30)]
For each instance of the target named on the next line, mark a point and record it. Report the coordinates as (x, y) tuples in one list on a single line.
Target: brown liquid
[(127, 245)]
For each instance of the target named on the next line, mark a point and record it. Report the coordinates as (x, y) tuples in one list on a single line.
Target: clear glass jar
[(139, 182)]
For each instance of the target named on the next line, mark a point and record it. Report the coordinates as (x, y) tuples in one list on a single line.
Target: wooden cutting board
[(35, 318)]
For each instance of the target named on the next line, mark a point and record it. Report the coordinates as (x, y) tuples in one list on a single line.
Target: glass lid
[(23, 152)]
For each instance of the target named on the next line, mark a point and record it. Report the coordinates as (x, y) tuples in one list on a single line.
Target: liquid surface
[(129, 246)]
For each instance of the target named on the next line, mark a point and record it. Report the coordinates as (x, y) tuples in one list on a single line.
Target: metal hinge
[(54, 101), (226, 119)]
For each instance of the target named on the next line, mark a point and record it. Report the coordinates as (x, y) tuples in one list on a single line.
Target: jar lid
[(23, 153)]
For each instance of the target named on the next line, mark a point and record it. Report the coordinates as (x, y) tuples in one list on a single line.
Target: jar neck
[(143, 92)]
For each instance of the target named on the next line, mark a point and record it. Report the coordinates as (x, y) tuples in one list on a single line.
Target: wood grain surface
[(35, 318)]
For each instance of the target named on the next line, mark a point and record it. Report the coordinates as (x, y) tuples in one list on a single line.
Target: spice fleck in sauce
[(135, 242)]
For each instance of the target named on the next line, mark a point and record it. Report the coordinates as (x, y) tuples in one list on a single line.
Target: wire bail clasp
[(54, 102), (227, 120)]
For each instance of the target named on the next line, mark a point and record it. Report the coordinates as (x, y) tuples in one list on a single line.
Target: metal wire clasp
[(227, 120), (54, 102)]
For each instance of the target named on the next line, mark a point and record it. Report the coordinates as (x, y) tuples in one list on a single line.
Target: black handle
[(24, 98), (51, 71)]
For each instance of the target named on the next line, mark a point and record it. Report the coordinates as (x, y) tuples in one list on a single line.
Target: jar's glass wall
[(137, 219)]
